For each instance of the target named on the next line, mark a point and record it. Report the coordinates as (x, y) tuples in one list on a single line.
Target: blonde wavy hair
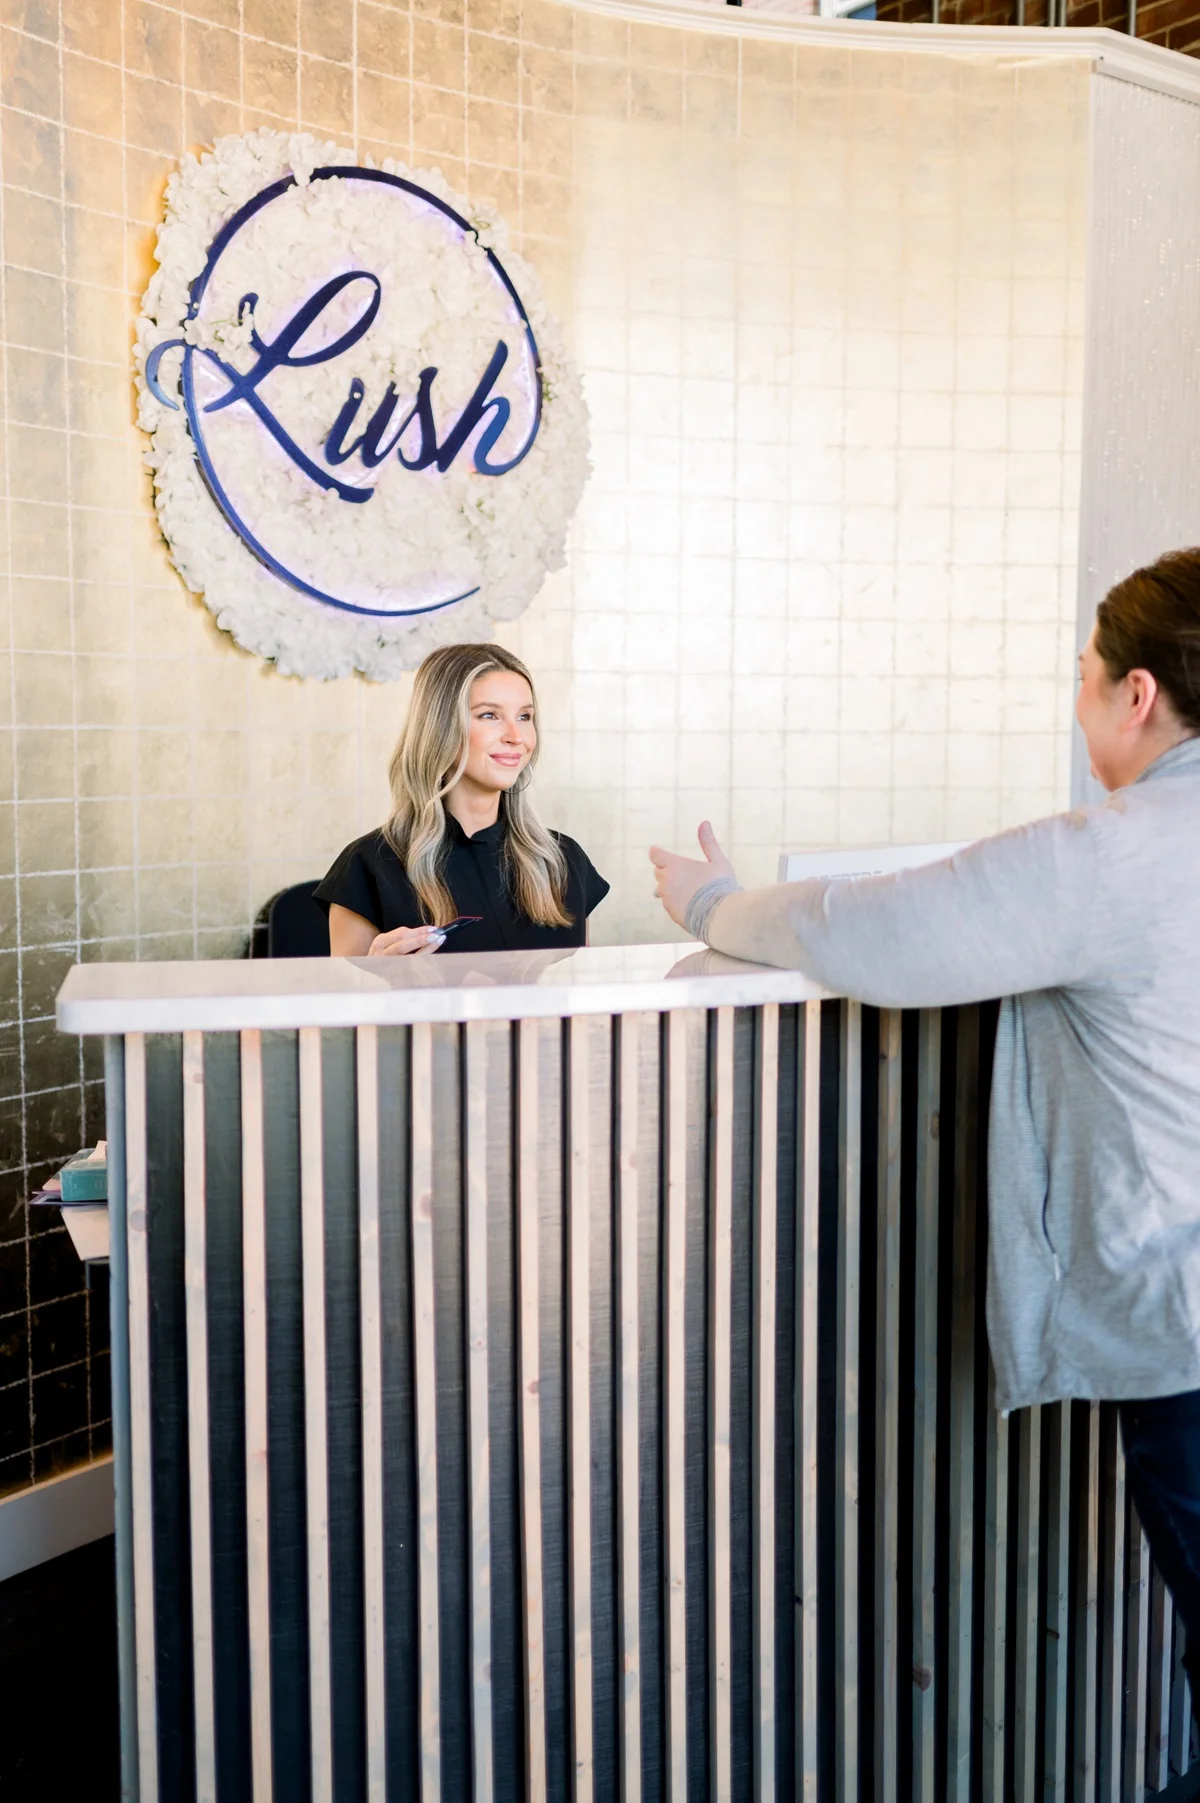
[(429, 759)]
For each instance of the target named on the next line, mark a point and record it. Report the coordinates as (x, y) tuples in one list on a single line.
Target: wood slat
[(925, 1421), (316, 1423), (1056, 1434), (1028, 1646), (529, 1374), (1086, 1624), (629, 1686), (766, 1103), (674, 1386), (254, 1325), (887, 1412), (1110, 1774), (847, 1765), (370, 1306), (1137, 1650), (425, 1409), (475, 1112), (140, 1450), (720, 1305), (961, 1426), (195, 1283), (993, 1695), (808, 1217)]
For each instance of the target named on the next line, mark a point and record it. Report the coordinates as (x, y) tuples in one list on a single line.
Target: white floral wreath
[(496, 536)]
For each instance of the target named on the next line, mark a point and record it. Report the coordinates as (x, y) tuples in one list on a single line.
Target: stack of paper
[(87, 1224), (80, 1190)]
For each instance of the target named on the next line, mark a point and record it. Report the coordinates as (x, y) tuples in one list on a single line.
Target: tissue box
[(85, 1177)]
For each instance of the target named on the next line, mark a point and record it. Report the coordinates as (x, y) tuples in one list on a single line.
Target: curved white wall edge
[(55, 1517), (1113, 54)]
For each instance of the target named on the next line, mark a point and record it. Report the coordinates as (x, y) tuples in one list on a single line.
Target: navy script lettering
[(378, 440)]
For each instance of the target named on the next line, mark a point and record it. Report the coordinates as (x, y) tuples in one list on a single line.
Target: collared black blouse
[(369, 879)]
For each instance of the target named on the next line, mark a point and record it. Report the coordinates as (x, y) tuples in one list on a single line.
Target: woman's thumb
[(708, 841)]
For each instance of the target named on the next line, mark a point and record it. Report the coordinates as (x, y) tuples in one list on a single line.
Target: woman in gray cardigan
[(1088, 924)]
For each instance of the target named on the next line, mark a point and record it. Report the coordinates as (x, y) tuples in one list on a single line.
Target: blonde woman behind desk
[(464, 862)]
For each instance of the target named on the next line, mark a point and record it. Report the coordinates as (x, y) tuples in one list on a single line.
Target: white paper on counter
[(87, 1224)]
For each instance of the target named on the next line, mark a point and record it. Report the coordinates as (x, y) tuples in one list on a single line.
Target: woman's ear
[(1144, 698)]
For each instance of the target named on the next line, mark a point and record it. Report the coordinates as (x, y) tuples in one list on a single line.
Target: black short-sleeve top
[(369, 879)]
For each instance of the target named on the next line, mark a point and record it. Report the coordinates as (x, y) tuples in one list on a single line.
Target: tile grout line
[(135, 838), (182, 149), (24, 1165), (74, 671)]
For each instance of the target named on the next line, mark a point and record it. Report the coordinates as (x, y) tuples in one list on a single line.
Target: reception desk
[(564, 1376)]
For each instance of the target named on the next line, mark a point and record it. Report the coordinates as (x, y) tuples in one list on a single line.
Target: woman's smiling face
[(502, 736)]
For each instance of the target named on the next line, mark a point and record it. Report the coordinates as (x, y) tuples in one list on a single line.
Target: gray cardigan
[(1089, 924)]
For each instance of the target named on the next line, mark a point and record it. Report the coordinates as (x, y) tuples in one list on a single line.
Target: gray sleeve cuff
[(705, 902)]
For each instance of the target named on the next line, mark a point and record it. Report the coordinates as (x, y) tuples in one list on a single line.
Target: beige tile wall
[(828, 306), (823, 584), (1141, 483)]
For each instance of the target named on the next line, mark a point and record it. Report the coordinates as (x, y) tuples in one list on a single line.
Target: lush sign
[(376, 403)]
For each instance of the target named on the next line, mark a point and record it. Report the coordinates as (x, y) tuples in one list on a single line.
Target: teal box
[(85, 1177)]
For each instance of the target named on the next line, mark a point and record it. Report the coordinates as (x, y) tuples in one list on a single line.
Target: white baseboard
[(55, 1517)]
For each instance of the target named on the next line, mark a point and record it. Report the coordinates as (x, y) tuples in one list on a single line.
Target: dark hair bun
[(1151, 621)]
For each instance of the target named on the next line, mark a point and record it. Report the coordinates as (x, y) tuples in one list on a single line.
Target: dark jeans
[(1161, 1437)]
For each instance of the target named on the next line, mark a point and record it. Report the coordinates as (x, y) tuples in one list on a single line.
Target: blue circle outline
[(233, 225)]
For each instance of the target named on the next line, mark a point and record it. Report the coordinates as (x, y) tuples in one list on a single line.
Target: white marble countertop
[(230, 994)]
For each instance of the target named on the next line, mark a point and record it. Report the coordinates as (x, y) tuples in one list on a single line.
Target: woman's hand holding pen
[(401, 942)]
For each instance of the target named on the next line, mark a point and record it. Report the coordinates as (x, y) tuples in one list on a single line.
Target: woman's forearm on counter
[(1008, 915)]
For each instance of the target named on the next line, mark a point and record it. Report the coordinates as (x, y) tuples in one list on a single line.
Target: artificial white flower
[(422, 535)]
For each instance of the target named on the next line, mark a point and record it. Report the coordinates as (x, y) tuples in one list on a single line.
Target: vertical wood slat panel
[(925, 1422), (808, 1199), (887, 1408), (579, 1207), (961, 1425), (993, 1697), (254, 1321), (425, 1408), (846, 1447), (1112, 1597), (371, 1352), (766, 1104), (195, 1278), (1137, 1633), (1056, 1425), (127, 1659), (1158, 1731), (674, 1386), (763, 1360), (1121, 1619), (1028, 1664), (629, 1687), (529, 1412), (312, 1239), (140, 1451), (1087, 1600), (1181, 1705), (475, 1119), (720, 1267)]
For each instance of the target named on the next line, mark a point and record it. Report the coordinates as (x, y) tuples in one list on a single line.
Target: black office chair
[(291, 925)]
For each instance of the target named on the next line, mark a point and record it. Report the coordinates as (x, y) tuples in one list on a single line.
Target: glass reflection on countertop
[(583, 966)]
